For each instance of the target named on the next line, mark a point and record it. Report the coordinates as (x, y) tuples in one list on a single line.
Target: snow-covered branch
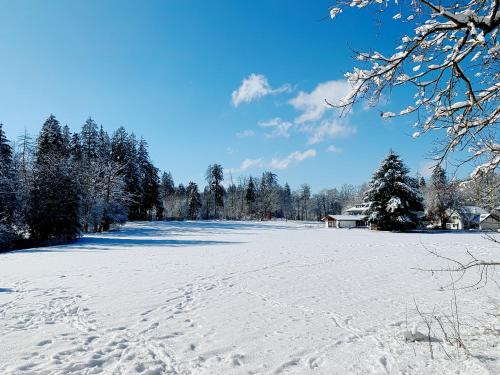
[(452, 65)]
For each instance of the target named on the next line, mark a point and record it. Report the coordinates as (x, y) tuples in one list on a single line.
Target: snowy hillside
[(238, 298)]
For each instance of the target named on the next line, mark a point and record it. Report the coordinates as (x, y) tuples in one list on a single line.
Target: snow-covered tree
[(7, 191), (214, 178), (150, 184), (250, 196), (439, 197), (268, 195), (394, 198), (167, 190), (55, 199), (451, 64), (194, 201), (286, 202)]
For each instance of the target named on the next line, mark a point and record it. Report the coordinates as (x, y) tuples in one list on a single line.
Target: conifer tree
[(250, 196), (55, 200), (89, 138), (150, 184), (167, 190), (7, 193), (394, 200), (214, 177), (286, 201), (194, 200), (268, 195)]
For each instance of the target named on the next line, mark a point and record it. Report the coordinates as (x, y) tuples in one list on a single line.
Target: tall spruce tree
[(55, 200), (268, 195), (286, 201), (89, 138), (7, 192), (150, 184), (214, 177), (394, 198), (194, 200), (250, 196)]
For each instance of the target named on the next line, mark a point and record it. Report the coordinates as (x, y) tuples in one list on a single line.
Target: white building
[(345, 221), (469, 217)]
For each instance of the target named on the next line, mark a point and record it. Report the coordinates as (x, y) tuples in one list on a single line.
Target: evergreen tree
[(7, 192), (89, 138), (194, 200), (167, 190), (305, 195), (214, 177), (150, 184), (286, 201), (75, 148), (268, 195), (66, 139), (393, 199), (55, 200), (250, 196), (103, 145)]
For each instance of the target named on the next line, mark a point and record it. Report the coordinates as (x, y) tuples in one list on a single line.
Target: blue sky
[(167, 71)]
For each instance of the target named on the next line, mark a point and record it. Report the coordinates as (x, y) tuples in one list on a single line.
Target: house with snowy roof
[(353, 217), (473, 217), (345, 221)]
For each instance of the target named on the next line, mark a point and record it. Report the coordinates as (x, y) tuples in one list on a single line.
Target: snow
[(239, 298)]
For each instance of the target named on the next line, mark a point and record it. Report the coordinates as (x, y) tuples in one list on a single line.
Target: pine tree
[(250, 196), (393, 199), (194, 200), (150, 184), (89, 137), (286, 201), (75, 148), (268, 195), (214, 177), (55, 200), (7, 192), (167, 190)]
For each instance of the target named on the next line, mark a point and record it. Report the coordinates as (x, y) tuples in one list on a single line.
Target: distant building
[(345, 221), (472, 217), (490, 222)]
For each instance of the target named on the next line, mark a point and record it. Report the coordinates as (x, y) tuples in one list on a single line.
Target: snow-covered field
[(239, 298)]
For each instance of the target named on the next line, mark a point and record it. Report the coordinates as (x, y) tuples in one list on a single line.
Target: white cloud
[(294, 157), (329, 129), (245, 165), (254, 87), (333, 148), (245, 134), (312, 104), (279, 127)]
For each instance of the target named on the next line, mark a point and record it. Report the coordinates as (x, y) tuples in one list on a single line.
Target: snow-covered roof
[(345, 217), (484, 217), (359, 208)]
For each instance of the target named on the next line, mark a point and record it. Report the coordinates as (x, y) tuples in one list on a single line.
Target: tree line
[(62, 184), (251, 198)]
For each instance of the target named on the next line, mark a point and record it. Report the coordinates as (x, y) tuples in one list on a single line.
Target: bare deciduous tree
[(452, 65)]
